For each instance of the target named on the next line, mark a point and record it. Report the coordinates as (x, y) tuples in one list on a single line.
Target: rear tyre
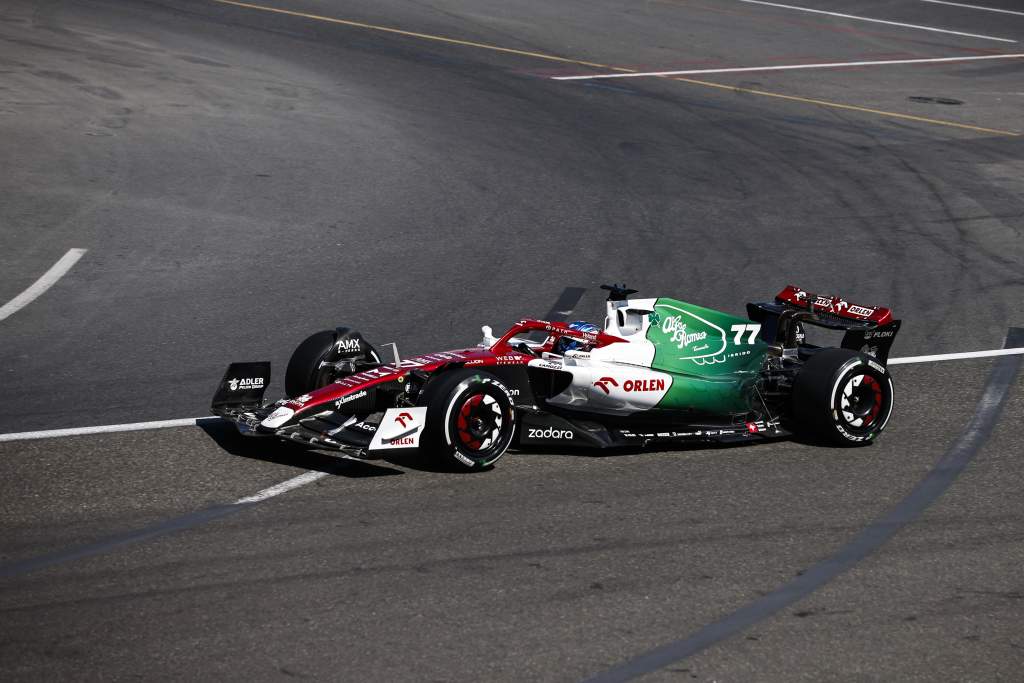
[(842, 397), (470, 419), (313, 363)]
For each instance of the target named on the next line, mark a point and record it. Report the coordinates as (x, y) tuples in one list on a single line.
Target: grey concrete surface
[(242, 178)]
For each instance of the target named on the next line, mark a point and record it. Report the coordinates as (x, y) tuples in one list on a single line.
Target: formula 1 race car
[(659, 370)]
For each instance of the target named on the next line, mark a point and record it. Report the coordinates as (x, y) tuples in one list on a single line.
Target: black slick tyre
[(312, 363), (470, 419), (842, 397)]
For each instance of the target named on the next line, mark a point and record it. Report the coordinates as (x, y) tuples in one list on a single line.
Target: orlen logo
[(631, 385), (402, 417), (549, 433)]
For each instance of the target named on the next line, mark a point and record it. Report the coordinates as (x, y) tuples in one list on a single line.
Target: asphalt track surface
[(240, 177)]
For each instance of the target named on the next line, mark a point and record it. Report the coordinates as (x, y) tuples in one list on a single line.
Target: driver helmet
[(566, 344)]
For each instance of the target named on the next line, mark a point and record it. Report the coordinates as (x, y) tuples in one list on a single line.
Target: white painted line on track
[(283, 487), (788, 67), (196, 421), (107, 429), (987, 9), (37, 288), (956, 356), (879, 21)]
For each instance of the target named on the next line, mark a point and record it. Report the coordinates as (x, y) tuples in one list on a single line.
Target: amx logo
[(402, 417), (346, 345)]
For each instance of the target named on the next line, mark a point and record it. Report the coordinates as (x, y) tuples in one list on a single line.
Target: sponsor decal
[(848, 435), (302, 399), (656, 384), (245, 383), (278, 417), (863, 313), (365, 426), (387, 370), (563, 331), (833, 305), (631, 385), (402, 418), (464, 460), (510, 360), (403, 441), (347, 346), (756, 427), (876, 366), (549, 433), (879, 334), (351, 397), (675, 326), (696, 337)]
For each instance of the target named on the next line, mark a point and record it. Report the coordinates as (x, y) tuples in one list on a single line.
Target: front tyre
[(470, 419), (321, 357), (843, 397)]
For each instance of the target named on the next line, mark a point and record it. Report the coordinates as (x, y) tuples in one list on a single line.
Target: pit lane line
[(47, 280), (878, 21), (938, 479), (199, 421)]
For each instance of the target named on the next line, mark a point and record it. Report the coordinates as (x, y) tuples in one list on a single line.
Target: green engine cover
[(715, 357)]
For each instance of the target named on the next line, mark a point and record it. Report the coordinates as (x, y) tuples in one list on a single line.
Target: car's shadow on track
[(283, 453)]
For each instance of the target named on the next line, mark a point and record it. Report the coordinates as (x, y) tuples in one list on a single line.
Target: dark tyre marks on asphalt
[(928, 490)]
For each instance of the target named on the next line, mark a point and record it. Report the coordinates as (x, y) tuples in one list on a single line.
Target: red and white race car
[(657, 370)]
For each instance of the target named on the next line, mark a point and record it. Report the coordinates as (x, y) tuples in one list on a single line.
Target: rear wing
[(869, 329)]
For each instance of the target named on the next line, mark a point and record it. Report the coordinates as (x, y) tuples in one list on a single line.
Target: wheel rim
[(479, 423), (861, 401)]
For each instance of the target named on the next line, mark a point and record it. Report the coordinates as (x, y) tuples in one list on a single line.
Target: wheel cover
[(479, 423), (861, 401)]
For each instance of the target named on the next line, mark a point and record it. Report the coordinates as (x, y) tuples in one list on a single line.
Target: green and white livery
[(676, 356)]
